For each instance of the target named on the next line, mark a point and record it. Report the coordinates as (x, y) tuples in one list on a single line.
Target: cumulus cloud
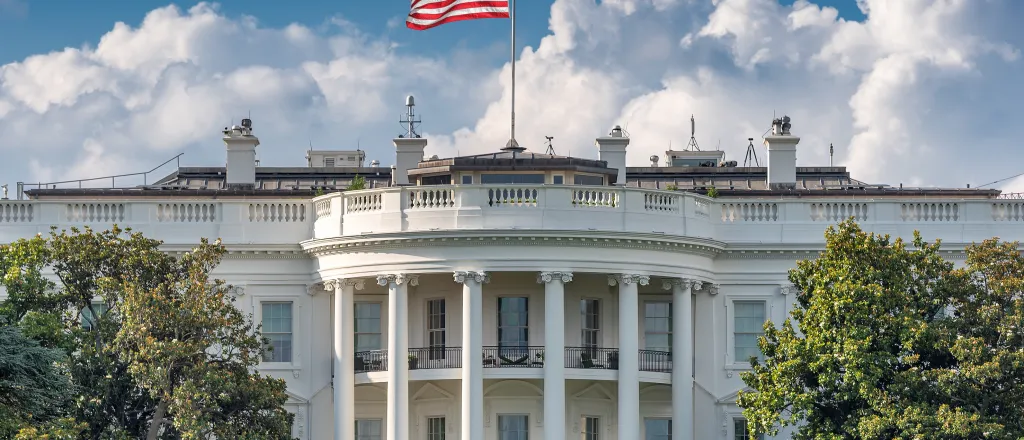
[(921, 92)]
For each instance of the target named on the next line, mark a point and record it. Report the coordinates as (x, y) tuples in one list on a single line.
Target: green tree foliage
[(32, 384), (358, 182), (102, 312), (876, 356)]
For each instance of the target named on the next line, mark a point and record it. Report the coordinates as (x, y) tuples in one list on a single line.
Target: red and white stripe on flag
[(426, 14)]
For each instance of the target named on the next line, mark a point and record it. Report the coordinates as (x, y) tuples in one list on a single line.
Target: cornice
[(788, 251), (248, 252), (616, 240)]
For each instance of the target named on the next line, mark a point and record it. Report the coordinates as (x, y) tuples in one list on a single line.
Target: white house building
[(514, 295)]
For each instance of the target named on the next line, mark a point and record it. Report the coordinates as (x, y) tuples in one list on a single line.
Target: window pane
[(512, 178), (513, 427), (277, 328), (658, 429), (369, 430)]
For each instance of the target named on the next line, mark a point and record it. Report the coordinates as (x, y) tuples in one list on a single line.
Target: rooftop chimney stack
[(241, 162), (409, 146), (781, 155), (612, 149)]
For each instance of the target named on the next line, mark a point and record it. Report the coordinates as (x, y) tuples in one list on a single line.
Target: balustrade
[(513, 357), (655, 361), (592, 358)]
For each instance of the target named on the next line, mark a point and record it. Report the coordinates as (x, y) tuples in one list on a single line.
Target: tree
[(102, 274), (358, 182), (875, 355), (191, 348), (32, 383)]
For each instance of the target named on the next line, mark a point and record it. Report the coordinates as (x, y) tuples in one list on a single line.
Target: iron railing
[(435, 357), (513, 357), (656, 361), (373, 360), (592, 358)]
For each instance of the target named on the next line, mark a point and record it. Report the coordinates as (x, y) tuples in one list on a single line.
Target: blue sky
[(892, 89), (38, 26)]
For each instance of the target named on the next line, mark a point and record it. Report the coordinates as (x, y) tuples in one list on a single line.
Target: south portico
[(625, 294)]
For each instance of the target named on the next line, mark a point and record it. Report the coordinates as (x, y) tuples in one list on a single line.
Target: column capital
[(686, 283), (236, 291), (461, 276), (626, 279), (398, 279), (547, 277), (709, 288), (331, 286), (788, 289)]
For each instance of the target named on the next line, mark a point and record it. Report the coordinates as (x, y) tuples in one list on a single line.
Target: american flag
[(426, 14)]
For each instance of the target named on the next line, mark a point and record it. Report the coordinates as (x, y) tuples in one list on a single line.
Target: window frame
[(596, 434), (731, 363), (599, 331), (83, 322), (263, 302), (643, 426), (439, 354), (355, 321), (383, 428), (671, 321), (497, 424), (444, 427), (497, 320)]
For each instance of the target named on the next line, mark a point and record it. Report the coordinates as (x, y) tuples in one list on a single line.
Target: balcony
[(592, 358), (432, 358), (513, 357), (645, 211), (655, 361), (371, 361)]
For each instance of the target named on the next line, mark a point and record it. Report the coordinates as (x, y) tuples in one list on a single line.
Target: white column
[(629, 353), (682, 357), (398, 353), (344, 356), (554, 352), (472, 353)]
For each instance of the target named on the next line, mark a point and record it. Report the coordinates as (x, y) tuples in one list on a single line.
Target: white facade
[(716, 264)]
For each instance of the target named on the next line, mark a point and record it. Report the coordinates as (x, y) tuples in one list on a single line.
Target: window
[(583, 179), (277, 327), (512, 178), (590, 428), (435, 428), (88, 320), (329, 162), (513, 322), (590, 321), (513, 427), (437, 180), (658, 429), (748, 326), (658, 326), (740, 431), (369, 429), (558, 179), (436, 328), (367, 327), (467, 179)]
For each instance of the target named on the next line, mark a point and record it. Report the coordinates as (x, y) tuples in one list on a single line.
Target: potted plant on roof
[(413, 361)]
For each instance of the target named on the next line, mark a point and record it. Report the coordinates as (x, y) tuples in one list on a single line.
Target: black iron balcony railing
[(435, 357), (513, 357), (373, 360), (592, 357), (655, 361)]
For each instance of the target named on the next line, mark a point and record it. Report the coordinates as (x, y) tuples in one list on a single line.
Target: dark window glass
[(582, 179), (512, 178)]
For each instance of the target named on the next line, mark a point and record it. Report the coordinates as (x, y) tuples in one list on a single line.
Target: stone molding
[(398, 279), (462, 277), (640, 280)]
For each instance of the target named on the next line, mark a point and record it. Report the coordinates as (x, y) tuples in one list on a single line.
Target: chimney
[(781, 155), (241, 164), (408, 154), (612, 149)]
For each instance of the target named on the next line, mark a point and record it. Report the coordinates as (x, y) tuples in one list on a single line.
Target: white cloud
[(921, 92)]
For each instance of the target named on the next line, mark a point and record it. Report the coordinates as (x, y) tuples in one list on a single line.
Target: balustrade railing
[(655, 361), (592, 358), (428, 358), (513, 357), (369, 361)]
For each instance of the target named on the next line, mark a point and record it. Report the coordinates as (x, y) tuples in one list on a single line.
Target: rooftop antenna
[(831, 152), (693, 138), (551, 149), (410, 121), (751, 154)]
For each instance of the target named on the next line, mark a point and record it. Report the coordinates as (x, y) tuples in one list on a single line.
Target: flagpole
[(512, 144)]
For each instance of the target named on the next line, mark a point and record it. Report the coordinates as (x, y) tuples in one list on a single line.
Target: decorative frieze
[(547, 277), (478, 276)]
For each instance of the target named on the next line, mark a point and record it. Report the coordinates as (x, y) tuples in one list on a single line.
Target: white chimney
[(612, 149), (781, 155), (408, 154), (241, 164)]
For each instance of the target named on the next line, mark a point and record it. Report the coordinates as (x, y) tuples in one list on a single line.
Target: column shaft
[(554, 353), (472, 356), (344, 361), (629, 360), (398, 361), (682, 361)]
